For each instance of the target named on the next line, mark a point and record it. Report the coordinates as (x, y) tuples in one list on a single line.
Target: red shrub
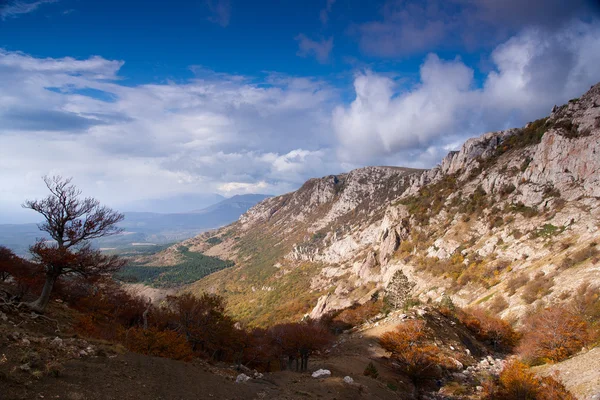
[(158, 343), (516, 382), (552, 334), (487, 328), (410, 350)]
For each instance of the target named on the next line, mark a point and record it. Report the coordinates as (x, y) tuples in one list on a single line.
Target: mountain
[(510, 221), (146, 227), (174, 204)]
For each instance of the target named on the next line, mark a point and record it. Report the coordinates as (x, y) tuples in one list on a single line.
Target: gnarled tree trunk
[(40, 304)]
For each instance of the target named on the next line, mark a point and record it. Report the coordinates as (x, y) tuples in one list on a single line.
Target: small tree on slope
[(398, 290), (71, 221)]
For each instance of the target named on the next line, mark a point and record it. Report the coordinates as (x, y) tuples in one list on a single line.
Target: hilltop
[(512, 218)]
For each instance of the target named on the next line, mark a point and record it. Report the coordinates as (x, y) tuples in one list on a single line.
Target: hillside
[(510, 220)]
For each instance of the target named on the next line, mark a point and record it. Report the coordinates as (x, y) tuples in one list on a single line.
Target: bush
[(28, 276), (498, 304), (516, 282), (160, 343), (586, 302), (589, 252), (489, 329), (413, 355), (371, 371), (358, 314), (516, 382), (540, 286), (552, 334)]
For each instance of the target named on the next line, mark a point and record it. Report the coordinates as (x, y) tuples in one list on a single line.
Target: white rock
[(241, 378), (57, 342), (348, 380), (321, 373)]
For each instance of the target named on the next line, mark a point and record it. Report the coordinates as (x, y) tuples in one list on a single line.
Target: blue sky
[(142, 100)]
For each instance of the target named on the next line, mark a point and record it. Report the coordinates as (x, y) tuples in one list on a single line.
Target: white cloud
[(13, 9), (121, 143), (238, 134), (319, 49), (533, 71)]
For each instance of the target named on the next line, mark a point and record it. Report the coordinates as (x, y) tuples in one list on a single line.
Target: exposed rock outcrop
[(506, 202)]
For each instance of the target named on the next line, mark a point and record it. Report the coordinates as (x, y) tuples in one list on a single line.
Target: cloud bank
[(231, 134), (531, 72)]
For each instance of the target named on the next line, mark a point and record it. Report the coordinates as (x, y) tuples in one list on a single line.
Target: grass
[(546, 231)]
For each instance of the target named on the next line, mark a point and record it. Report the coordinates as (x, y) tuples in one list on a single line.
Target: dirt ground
[(110, 372)]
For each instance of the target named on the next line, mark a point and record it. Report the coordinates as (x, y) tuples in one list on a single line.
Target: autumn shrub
[(516, 282), (585, 302), (412, 353), (28, 276), (105, 309), (498, 304), (296, 342), (517, 382), (160, 343), (489, 329), (552, 334), (588, 252), (203, 322), (540, 286), (357, 314)]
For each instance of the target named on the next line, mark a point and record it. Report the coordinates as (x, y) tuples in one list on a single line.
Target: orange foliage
[(203, 322), (359, 313), (27, 275), (552, 334), (516, 382), (297, 342), (410, 350), (158, 343), (487, 328)]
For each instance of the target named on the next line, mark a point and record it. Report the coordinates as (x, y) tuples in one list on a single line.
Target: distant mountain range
[(146, 228)]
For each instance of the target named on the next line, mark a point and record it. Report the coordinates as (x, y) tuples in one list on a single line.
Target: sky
[(140, 100)]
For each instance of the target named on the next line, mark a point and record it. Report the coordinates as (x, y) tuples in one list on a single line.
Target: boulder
[(241, 378), (321, 373), (348, 380)]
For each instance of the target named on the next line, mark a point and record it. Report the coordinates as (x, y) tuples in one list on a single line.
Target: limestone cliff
[(520, 202)]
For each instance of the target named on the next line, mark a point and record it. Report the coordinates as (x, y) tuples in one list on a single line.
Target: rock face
[(506, 202)]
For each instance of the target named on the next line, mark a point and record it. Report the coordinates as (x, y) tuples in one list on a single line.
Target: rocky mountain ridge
[(516, 204)]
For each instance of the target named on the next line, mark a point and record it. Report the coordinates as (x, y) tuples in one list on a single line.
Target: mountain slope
[(510, 220)]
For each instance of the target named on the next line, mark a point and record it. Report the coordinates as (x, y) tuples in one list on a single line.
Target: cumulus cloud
[(13, 9), (532, 71), (318, 49), (214, 133), (239, 134)]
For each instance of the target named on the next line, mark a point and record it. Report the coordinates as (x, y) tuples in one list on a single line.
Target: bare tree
[(71, 221)]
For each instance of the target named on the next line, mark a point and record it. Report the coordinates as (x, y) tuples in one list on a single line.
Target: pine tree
[(398, 290)]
